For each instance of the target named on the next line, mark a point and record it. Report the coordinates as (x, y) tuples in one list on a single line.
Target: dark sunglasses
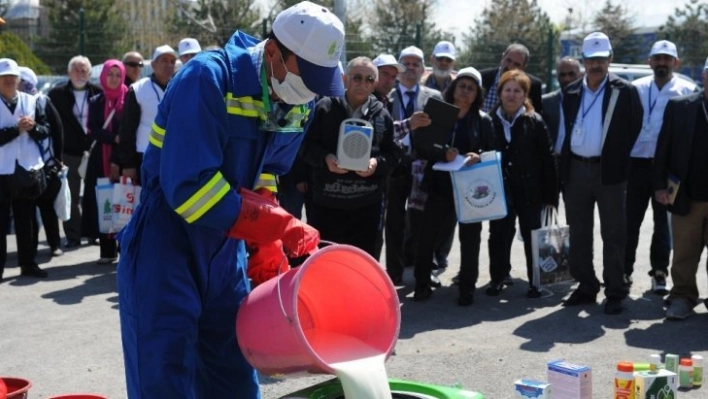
[(133, 64), (564, 74), (359, 78)]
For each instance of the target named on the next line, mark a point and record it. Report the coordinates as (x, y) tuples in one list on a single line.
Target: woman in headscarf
[(105, 112)]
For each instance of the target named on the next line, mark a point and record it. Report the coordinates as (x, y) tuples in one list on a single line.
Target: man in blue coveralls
[(227, 116)]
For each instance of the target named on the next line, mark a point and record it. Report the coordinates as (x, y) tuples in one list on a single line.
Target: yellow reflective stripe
[(157, 135), (267, 180), (244, 106), (204, 199)]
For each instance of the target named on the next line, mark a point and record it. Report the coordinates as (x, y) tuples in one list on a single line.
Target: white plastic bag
[(62, 203), (126, 197), (479, 191), (551, 250), (104, 201)]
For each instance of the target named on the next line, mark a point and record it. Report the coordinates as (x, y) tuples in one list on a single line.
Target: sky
[(456, 15)]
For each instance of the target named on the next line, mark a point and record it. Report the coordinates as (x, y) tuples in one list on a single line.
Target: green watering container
[(332, 389)]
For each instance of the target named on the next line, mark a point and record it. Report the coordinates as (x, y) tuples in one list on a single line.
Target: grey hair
[(363, 61), (518, 47), (78, 59)]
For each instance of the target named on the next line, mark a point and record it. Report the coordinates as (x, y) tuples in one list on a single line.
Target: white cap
[(411, 51), (316, 36), (189, 46), (28, 75), (445, 49), (664, 47), (596, 44), (9, 67), (470, 72), (388, 60), (162, 50)]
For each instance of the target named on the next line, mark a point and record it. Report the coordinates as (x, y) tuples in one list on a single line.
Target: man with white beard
[(443, 61)]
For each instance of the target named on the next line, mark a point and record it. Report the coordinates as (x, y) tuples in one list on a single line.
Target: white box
[(532, 389), (648, 385), (570, 381)]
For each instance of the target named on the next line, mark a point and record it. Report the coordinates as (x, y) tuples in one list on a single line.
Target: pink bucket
[(17, 388), (339, 305), (78, 396)]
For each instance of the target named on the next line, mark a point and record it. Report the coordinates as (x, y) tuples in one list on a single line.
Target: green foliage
[(105, 30), (357, 45), (510, 21), (13, 47), (615, 22), (688, 28), (213, 22)]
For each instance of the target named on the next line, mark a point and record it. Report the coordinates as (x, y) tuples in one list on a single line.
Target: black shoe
[(579, 298), (72, 244), (508, 280), (613, 306), (435, 281), (422, 294), (33, 270), (494, 289), (533, 292), (465, 299)]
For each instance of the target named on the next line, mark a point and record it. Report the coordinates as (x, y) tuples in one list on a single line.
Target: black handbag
[(28, 184)]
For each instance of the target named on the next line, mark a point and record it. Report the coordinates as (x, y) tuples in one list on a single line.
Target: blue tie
[(410, 107)]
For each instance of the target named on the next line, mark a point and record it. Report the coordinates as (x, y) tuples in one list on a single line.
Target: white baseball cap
[(445, 49), (316, 36), (9, 67), (470, 72), (189, 46), (28, 75), (162, 50), (411, 51), (664, 47), (388, 60), (596, 44)]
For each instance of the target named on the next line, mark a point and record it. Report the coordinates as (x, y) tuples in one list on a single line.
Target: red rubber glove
[(262, 221), (266, 261)]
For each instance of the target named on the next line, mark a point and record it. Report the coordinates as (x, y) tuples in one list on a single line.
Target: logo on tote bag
[(480, 194)]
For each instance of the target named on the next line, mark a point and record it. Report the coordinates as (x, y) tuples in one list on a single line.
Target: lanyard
[(400, 99), (652, 104), (155, 90), (83, 104), (586, 110)]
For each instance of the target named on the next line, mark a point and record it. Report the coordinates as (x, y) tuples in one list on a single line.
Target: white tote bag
[(62, 203), (104, 204), (551, 250), (479, 191), (126, 197)]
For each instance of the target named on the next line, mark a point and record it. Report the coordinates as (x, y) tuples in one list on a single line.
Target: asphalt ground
[(62, 332)]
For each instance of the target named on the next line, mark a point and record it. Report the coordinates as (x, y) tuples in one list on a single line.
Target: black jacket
[(528, 159), (488, 76), (348, 191), (623, 130), (101, 136), (673, 149), (76, 141)]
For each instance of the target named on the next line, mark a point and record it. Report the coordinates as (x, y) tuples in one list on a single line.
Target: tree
[(688, 29), (105, 30), (510, 21), (616, 22), (13, 47), (212, 22)]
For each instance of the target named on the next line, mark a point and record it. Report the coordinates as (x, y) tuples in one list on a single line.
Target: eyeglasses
[(444, 59), (467, 87), (564, 74), (133, 64), (359, 78)]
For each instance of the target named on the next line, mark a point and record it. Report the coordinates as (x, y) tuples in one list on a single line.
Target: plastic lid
[(697, 359), (626, 366), (686, 362)]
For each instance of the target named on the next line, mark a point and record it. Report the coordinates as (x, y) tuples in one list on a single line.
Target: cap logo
[(332, 49), (596, 43)]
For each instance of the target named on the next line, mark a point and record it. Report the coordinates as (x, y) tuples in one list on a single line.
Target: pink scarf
[(114, 101)]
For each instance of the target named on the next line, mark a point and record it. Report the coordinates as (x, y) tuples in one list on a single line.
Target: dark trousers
[(45, 203), (502, 231), (72, 227), (357, 227), (5, 207), (639, 193), (443, 250), (581, 192), (398, 190), (26, 227)]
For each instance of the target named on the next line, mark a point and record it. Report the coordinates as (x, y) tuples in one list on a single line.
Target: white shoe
[(106, 261)]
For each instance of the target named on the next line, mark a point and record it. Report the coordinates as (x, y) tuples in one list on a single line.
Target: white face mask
[(293, 90)]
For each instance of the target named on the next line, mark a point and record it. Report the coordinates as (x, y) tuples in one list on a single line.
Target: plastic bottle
[(672, 362), (624, 381), (697, 370), (686, 373), (654, 363)]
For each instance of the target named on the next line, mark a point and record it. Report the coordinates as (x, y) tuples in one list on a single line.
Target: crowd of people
[(258, 123)]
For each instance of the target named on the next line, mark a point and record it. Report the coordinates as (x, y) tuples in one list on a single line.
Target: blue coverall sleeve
[(193, 120)]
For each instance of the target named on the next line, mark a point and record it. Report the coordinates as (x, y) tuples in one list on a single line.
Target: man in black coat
[(516, 56), (603, 117), (567, 72), (681, 185)]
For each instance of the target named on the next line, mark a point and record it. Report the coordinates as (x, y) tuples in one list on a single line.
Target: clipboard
[(672, 187), (443, 118)]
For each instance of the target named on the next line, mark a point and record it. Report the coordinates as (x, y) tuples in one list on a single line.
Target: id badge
[(647, 133), (578, 136)]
